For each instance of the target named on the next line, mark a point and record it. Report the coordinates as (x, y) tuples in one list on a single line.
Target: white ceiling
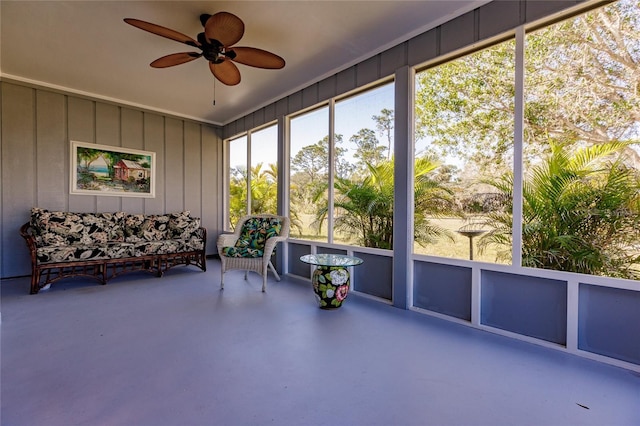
[(85, 47)]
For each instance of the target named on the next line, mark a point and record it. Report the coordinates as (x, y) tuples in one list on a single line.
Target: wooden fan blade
[(226, 71), (162, 31), (225, 27), (175, 59), (257, 58)]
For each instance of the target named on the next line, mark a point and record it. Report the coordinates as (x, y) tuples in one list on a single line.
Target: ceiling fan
[(221, 32)]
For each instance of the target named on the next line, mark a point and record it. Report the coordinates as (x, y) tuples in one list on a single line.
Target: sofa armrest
[(202, 233), (26, 231)]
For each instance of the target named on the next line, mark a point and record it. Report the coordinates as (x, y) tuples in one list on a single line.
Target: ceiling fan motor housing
[(213, 50)]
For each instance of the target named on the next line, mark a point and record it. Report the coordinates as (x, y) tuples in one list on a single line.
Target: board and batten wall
[(37, 125)]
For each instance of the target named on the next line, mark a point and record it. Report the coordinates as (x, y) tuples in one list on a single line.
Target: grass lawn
[(458, 249)]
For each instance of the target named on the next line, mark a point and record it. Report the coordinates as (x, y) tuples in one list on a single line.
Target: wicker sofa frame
[(102, 270)]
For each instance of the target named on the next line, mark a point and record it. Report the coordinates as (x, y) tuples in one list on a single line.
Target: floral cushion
[(155, 228), (182, 226), (133, 227), (80, 252), (64, 228), (253, 236)]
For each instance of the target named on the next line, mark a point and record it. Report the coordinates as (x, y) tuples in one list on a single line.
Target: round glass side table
[(331, 277)]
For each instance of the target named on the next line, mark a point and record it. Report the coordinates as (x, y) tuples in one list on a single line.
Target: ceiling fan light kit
[(221, 32)]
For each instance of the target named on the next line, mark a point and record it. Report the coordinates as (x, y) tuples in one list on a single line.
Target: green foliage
[(365, 206), (264, 191), (368, 149), (581, 86), (581, 212)]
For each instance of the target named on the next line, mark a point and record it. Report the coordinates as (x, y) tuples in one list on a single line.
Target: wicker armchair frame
[(260, 265)]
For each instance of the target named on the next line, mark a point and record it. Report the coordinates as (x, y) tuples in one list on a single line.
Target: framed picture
[(112, 171)]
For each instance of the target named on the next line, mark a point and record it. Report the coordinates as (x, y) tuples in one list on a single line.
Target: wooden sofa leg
[(35, 281)]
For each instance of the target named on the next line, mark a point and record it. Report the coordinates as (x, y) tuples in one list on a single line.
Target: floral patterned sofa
[(103, 245)]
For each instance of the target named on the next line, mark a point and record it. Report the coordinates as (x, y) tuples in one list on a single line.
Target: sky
[(352, 115)]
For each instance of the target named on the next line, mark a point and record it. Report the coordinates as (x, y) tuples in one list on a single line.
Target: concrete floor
[(178, 351)]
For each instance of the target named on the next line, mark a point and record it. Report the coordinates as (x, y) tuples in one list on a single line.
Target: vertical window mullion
[(249, 172), (332, 158), (518, 143)]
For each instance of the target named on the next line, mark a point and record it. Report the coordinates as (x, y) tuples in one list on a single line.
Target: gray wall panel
[(368, 71), (295, 102), (132, 137), (154, 142), (250, 121), (52, 151), (210, 188), (174, 169), (282, 107), (445, 289), (193, 173), (229, 130), (498, 17), (81, 127), (330, 250), (541, 8), (241, 124), (18, 174), (346, 80), (392, 59), (258, 117), (295, 265), (532, 306), (422, 48), (327, 88), (310, 96), (270, 113), (609, 322), (108, 133), (374, 276), (107, 124), (457, 33)]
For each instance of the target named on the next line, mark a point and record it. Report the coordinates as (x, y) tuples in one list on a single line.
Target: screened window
[(363, 169), (309, 173), (464, 113), (581, 201), (253, 174)]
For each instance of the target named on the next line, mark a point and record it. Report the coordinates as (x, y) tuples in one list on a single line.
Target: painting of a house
[(130, 171), (112, 171)]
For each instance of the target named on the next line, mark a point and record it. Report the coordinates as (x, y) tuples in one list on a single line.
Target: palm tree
[(364, 208), (581, 213)]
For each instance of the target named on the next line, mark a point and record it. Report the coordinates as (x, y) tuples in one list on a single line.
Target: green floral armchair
[(252, 244)]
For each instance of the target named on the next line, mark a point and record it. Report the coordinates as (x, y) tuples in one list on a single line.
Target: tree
[(384, 125), (264, 189), (368, 149), (237, 194), (465, 107), (581, 213), (581, 87), (365, 206), (310, 172)]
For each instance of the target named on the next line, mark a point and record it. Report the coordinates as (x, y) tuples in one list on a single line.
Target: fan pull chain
[(214, 92)]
